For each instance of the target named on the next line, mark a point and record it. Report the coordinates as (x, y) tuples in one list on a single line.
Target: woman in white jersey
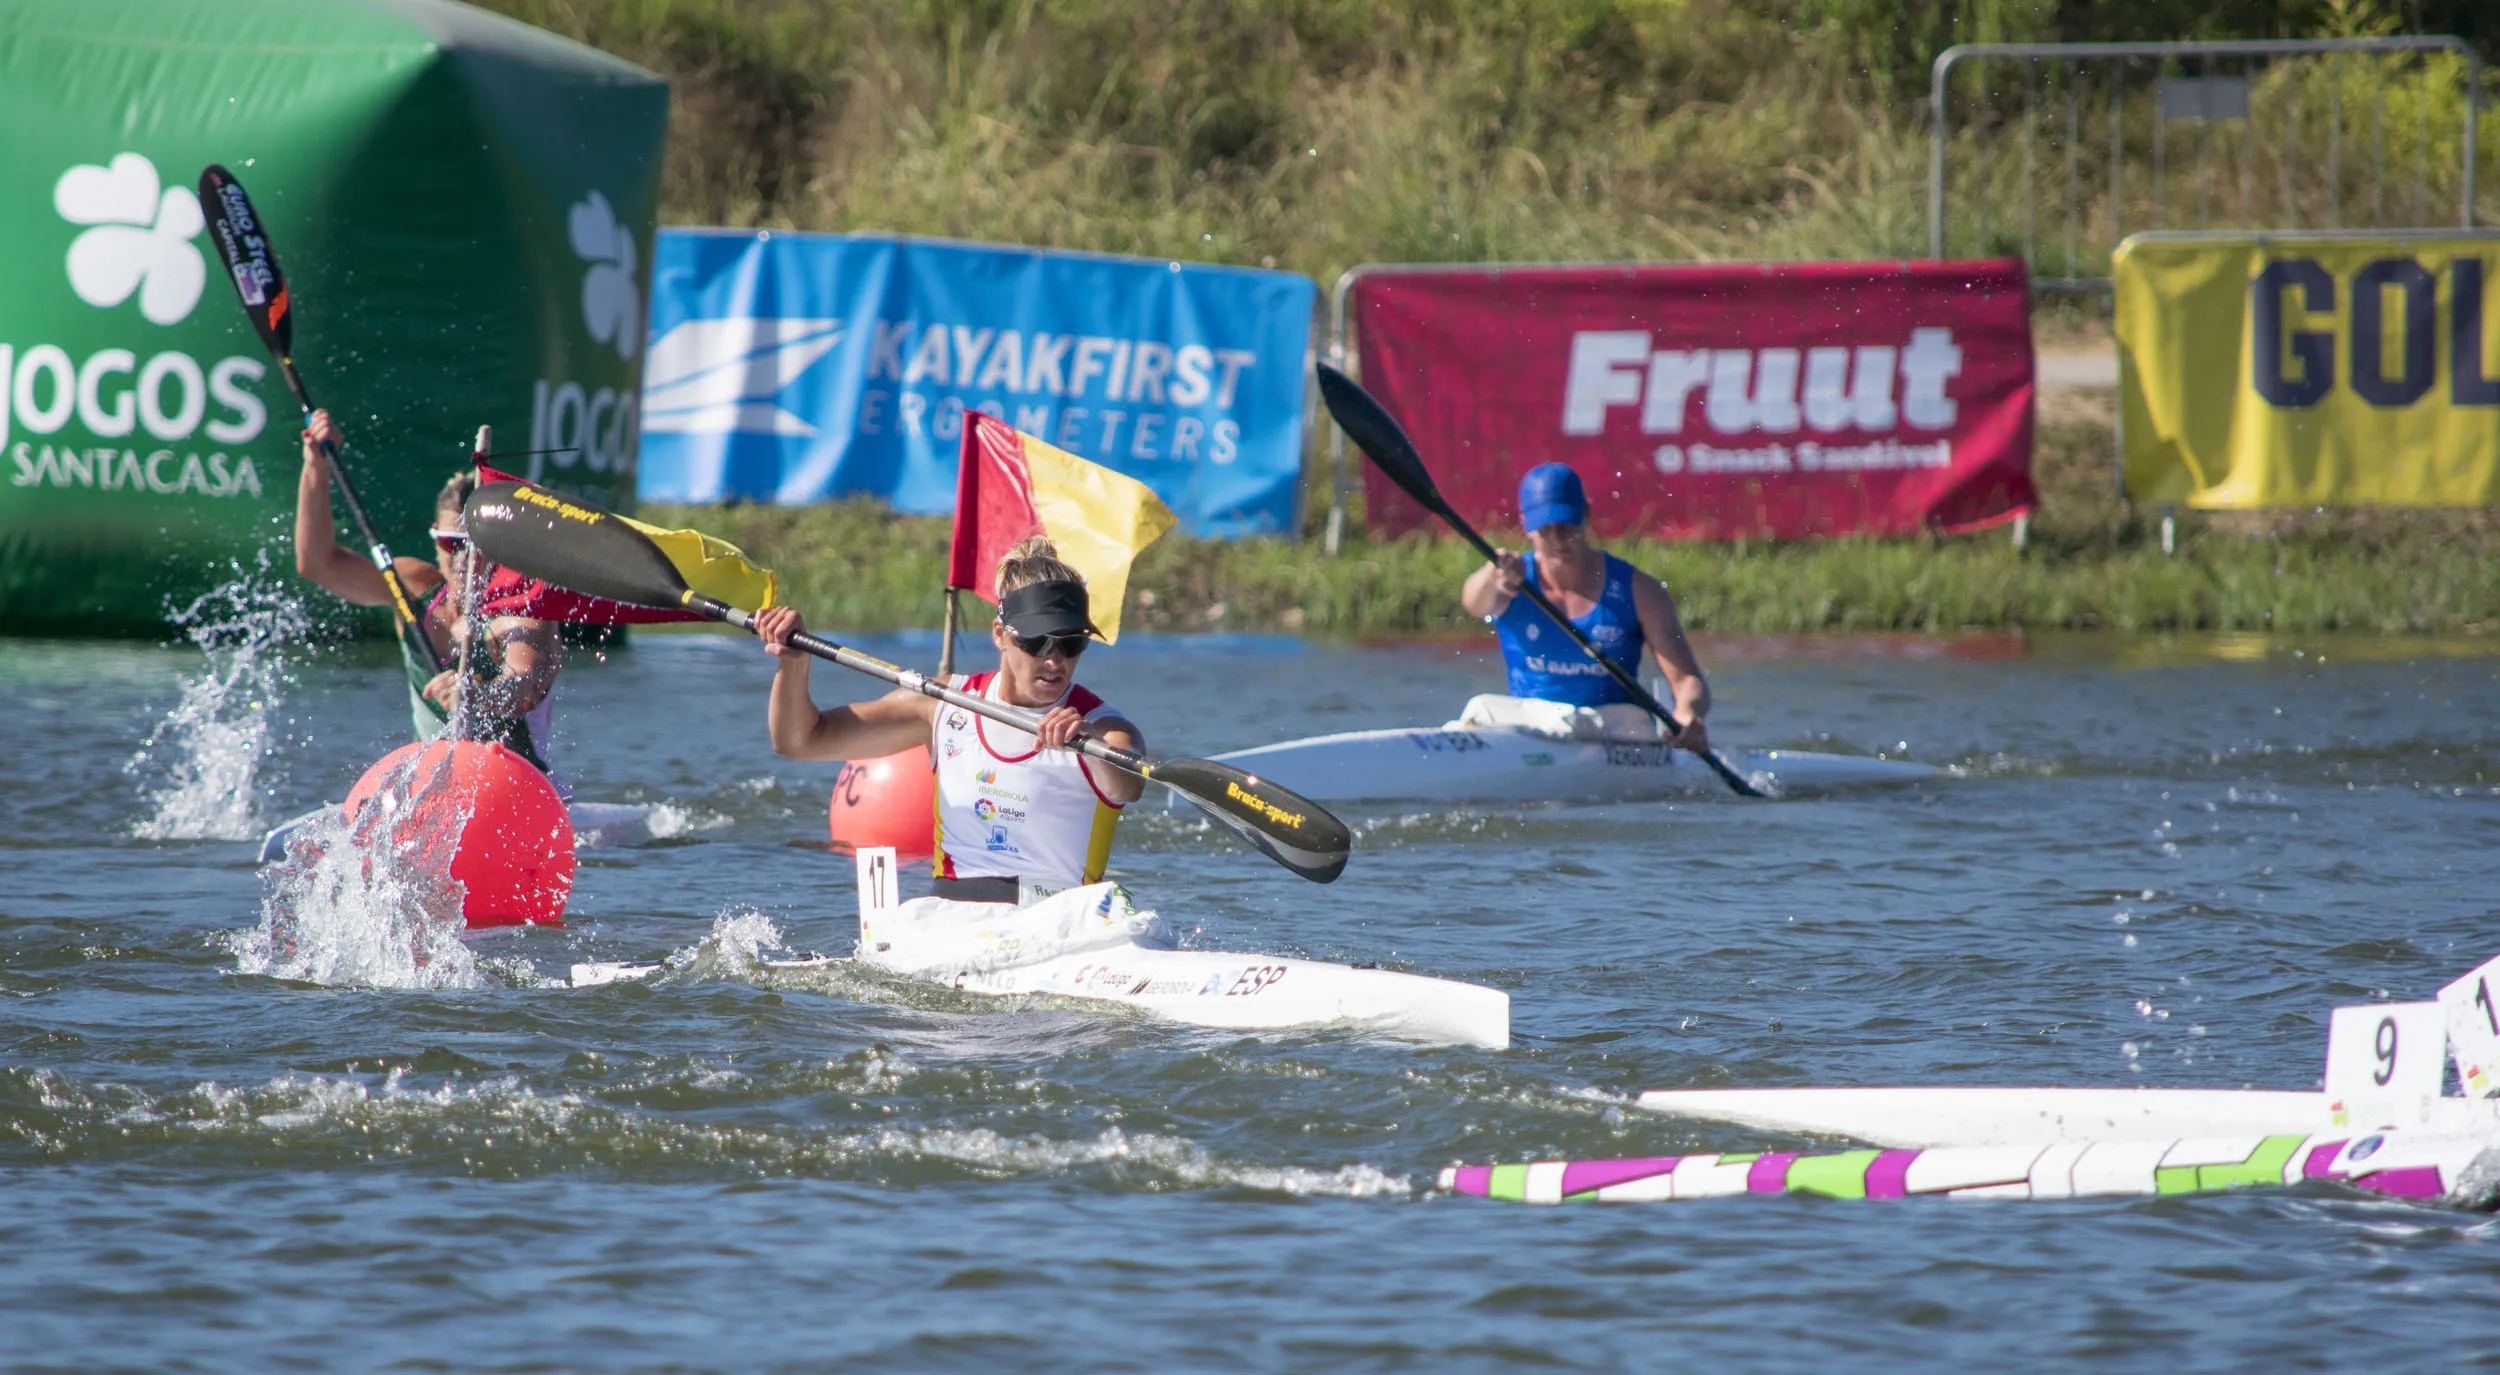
[(1017, 813)]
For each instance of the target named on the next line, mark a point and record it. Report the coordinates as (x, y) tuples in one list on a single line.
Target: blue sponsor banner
[(798, 367)]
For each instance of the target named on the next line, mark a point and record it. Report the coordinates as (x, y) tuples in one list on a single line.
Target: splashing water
[(735, 947), (668, 821), (369, 903), (200, 767)]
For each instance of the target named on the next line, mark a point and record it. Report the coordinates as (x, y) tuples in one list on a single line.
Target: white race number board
[(2472, 1005), (2385, 1052), (880, 887)]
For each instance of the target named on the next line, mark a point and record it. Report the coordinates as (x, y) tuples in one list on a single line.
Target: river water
[(2160, 862)]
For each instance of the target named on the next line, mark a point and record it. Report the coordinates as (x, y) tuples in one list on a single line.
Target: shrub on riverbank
[(1315, 134), (2094, 562)]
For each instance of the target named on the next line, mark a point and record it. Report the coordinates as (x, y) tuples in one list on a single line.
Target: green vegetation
[(1313, 135), (2092, 563)]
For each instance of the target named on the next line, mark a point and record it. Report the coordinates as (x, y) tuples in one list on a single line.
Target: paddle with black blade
[(1378, 435), (252, 265), (588, 550)]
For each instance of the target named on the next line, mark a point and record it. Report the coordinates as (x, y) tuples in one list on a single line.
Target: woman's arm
[(1664, 629), (530, 654), (1061, 724), (318, 554), (864, 730), (1490, 588)]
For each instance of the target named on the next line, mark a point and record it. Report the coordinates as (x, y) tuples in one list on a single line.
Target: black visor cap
[(1048, 608)]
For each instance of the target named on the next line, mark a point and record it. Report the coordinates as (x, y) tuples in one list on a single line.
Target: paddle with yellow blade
[(590, 551)]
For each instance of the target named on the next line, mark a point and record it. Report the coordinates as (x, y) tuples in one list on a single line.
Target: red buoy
[(889, 801), (514, 851)]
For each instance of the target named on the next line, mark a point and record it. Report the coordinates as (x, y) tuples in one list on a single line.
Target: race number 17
[(2471, 1008)]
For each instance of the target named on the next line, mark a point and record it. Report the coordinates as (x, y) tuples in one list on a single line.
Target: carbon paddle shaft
[(252, 266), (1379, 436), (591, 551), (1622, 676), (1290, 829)]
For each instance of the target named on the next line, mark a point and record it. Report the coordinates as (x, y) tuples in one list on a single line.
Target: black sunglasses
[(1044, 646), (450, 541)]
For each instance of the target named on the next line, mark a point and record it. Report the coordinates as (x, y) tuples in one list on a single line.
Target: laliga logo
[(137, 241), (141, 240), (985, 809), (597, 427)]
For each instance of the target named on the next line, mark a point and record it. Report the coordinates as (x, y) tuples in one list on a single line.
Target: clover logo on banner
[(611, 308), (140, 241)]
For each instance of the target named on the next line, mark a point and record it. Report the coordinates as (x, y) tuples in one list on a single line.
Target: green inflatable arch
[(464, 207)]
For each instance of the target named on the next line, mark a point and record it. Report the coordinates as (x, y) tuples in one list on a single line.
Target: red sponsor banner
[(1743, 401)]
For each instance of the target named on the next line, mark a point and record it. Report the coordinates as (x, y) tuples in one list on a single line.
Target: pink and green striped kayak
[(2462, 1170)]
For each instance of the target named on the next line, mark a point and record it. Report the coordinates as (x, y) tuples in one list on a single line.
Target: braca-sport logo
[(114, 421)]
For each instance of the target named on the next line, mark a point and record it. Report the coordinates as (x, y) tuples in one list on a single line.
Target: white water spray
[(199, 769), (371, 903)]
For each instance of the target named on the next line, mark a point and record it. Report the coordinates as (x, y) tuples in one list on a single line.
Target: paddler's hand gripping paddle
[(587, 550), (252, 265), (1378, 435)]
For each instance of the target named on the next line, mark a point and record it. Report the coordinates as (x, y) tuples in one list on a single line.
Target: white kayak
[(602, 825), (1089, 943), (2385, 1066), (1513, 764), (1916, 1118)]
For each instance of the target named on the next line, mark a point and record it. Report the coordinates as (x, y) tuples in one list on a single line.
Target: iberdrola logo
[(140, 240)]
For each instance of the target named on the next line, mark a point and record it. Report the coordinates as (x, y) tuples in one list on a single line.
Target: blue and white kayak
[(1463, 763)]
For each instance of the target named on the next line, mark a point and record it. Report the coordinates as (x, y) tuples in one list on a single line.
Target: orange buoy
[(889, 801), (513, 854)]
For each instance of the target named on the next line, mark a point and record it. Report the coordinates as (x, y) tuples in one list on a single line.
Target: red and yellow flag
[(1010, 485)]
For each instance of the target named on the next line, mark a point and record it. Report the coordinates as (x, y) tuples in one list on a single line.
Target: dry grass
[(1313, 135), (1316, 134)]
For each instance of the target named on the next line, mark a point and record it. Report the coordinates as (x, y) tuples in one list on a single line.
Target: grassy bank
[(1312, 135), (2093, 563), (1315, 134)]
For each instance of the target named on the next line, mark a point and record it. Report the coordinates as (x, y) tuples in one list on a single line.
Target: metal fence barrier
[(2280, 134)]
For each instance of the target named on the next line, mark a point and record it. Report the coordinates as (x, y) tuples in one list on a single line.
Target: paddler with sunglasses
[(512, 666), (1019, 815), (1624, 611)]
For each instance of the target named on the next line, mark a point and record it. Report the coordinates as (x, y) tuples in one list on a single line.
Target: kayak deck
[(1216, 989), (1508, 764), (1089, 943), (1915, 1118)]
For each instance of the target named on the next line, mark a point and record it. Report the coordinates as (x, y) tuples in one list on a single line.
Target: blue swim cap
[(1551, 495)]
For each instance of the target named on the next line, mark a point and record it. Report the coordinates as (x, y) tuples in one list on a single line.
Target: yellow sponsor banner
[(2310, 370)]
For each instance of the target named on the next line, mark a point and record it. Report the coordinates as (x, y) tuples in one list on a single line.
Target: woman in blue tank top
[(1620, 608)]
